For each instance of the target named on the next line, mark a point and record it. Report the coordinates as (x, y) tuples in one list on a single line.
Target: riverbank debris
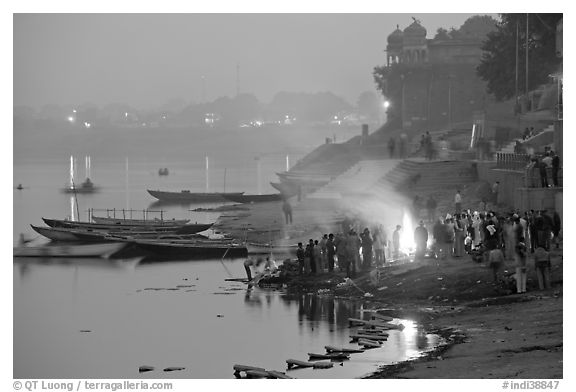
[(333, 356), (331, 349), (369, 343), (295, 363)]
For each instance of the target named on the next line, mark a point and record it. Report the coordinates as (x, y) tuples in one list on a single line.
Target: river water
[(89, 318)]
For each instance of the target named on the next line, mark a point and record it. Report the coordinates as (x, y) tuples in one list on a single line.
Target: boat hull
[(255, 198), (191, 197), (176, 228), (179, 250), (138, 222)]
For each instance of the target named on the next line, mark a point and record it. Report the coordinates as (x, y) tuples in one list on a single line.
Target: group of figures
[(494, 238), (544, 167), (350, 253), (398, 149)]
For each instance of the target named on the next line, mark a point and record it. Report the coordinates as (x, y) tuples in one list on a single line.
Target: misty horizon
[(147, 60)]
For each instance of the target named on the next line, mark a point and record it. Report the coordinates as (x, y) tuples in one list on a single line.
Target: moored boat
[(254, 198), (104, 250), (186, 196), (138, 222), (176, 228), (191, 249)]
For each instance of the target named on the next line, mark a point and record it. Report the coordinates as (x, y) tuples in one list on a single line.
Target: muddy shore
[(489, 331)]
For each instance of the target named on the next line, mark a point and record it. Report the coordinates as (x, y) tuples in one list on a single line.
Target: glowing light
[(71, 119), (87, 124), (407, 236), (386, 104)]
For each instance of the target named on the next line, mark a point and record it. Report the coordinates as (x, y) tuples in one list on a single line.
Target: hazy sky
[(147, 59)]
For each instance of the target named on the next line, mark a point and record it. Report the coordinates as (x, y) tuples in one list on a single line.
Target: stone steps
[(357, 179)]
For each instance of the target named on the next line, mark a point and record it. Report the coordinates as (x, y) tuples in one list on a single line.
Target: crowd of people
[(494, 238)]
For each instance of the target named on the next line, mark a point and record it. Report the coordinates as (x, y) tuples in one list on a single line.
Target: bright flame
[(407, 235)]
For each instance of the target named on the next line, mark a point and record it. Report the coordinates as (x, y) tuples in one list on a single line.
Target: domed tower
[(415, 48), (394, 47)]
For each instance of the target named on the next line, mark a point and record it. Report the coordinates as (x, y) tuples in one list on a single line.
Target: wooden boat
[(89, 235), (260, 248), (191, 249), (86, 187), (176, 228), (138, 222), (254, 198), (186, 196), (104, 250), (58, 234)]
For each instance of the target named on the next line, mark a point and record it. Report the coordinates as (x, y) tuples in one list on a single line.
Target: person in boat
[(251, 263)]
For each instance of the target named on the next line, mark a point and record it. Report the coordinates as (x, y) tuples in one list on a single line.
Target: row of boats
[(129, 237), (118, 237)]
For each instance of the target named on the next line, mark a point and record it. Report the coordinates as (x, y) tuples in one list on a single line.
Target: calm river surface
[(103, 319)]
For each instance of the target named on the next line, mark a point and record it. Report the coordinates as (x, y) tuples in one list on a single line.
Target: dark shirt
[(420, 234), (300, 254)]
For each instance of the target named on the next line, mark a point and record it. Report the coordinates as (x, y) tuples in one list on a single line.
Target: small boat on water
[(176, 228), (88, 235), (104, 250), (86, 187), (191, 249), (254, 198), (163, 171), (186, 196), (138, 222)]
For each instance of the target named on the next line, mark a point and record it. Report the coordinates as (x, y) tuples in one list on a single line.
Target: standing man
[(421, 238), (396, 241), (323, 255), (287, 209), (366, 249), (330, 252), (431, 207), (555, 167), (458, 202), (495, 189), (300, 256)]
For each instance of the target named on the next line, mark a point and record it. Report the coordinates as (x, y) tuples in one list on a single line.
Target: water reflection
[(171, 314)]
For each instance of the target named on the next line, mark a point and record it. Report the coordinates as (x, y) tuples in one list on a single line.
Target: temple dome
[(415, 30), (396, 37)]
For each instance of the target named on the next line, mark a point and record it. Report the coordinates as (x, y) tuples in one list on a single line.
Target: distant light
[(386, 104), (335, 117), (287, 117), (71, 119), (87, 124), (126, 114), (73, 110)]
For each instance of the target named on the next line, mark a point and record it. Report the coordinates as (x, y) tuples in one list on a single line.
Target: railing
[(511, 161), (128, 213)]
